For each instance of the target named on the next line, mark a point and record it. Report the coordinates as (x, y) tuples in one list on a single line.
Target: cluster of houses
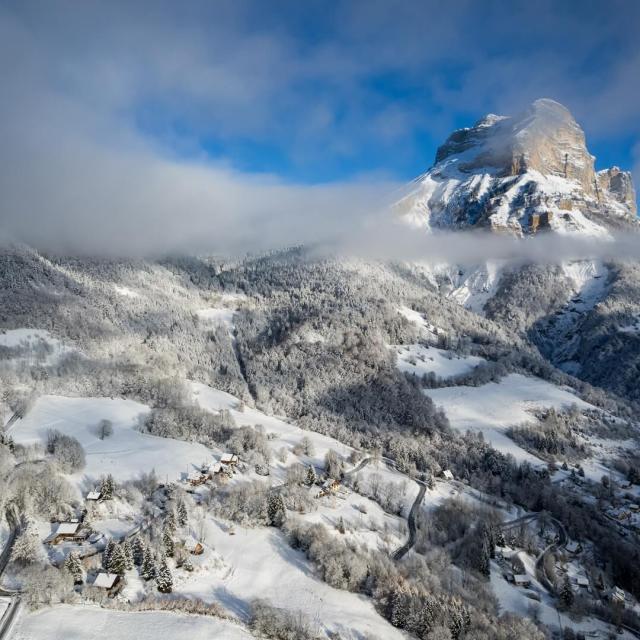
[(225, 466), (627, 515), (328, 487)]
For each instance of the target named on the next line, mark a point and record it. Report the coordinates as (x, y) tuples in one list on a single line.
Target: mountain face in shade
[(522, 175)]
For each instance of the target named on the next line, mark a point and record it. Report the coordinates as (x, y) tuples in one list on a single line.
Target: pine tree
[(73, 565), (311, 476), (107, 553), (25, 548), (138, 550), (167, 541), (148, 569), (566, 594), (164, 579), (183, 515), (276, 511), (128, 554), (117, 561), (107, 487), (170, 521)]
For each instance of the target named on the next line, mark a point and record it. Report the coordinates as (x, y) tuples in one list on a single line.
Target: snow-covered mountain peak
[(521, 174)]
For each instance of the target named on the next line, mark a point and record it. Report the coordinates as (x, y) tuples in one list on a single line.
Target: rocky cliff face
[(522, 175)]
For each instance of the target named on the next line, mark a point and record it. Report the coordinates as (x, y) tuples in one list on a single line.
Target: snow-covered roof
[(93, 495), (329, 483), (447, 474), (573, 546), (583, 581), (67, 528), (216, 468), (521, 578), (191, 543), (229, 457), (105, 580), (194, 475)]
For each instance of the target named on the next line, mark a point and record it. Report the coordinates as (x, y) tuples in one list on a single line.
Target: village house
[(67, 532), (112, 583), (583, 582), (229, 459), (194, 547), (616, 595), (93, 496), (196, 478), (522, 580), (447, 475), (328, 486), (573, 547)]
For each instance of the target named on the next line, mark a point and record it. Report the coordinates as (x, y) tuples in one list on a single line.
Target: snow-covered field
[(94, 623), (259, 563), (418, 359), (494, 407), (126, 454), (37, 345)]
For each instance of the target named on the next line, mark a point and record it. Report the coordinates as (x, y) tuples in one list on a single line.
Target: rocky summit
[(523, 175)]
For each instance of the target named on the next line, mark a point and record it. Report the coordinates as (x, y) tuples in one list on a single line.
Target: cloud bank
[(150, 127)]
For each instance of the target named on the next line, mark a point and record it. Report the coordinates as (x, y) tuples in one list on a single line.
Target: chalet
[(93, 496), (573, 547), (447, 475), (193, 546), (582, 581), (634, 507), (67, 532), (330, 485), (196, 478), (216, 468), (616, 595), (522, 580), (112, 583), (229, 459)]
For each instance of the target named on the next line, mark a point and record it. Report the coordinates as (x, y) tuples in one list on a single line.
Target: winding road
[(411, 522)]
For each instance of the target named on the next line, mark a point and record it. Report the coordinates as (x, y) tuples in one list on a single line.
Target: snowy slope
[(125, 454), (261, 564), (94, 623), (420, 360), (492, 408)]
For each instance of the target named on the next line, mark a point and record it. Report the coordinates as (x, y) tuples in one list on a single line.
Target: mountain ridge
[(521, 174)]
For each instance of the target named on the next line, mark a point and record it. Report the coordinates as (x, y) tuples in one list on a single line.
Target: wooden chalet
[(229, 459), (194, 547), (196, 478), (330, 485), (112, 583), (67, 532), (522, 580), (93, 496), (447, 475)]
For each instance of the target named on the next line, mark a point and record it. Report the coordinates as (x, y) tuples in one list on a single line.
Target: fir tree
[(107, 553), (566, 594), (107, 488), (164, 579), (167, 541), (25, 548), (73, 565), (148, 569), (183, 516), (276, 511), (128, 554), (311, 476), (170, 521), (117, 561), (138, 550)]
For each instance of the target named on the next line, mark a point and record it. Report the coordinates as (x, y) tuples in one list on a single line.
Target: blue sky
[(304, 93)]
